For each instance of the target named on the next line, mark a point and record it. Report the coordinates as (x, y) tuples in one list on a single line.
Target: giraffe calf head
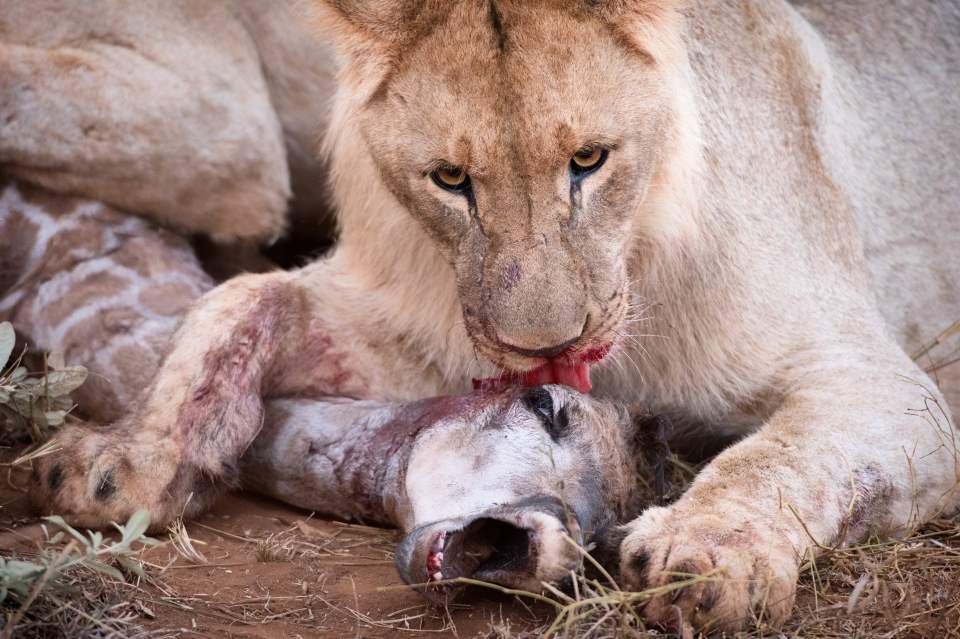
[(506, 496)]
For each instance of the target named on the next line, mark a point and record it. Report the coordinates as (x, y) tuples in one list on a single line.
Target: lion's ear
[(377, 20), (650, 9), (649, 27), (360, 27)]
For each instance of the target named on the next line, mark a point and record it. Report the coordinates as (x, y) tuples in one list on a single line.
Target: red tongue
[(576, 376)]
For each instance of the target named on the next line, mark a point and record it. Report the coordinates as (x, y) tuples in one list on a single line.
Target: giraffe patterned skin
[(104, 288)]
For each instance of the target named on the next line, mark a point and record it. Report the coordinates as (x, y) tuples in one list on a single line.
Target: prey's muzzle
[(519, 545)]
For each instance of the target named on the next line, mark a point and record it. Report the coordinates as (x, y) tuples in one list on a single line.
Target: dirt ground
[(274, 571)]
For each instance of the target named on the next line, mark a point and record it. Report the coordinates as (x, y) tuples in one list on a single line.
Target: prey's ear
[(648, 9)]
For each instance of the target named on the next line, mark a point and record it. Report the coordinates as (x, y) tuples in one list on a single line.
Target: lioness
[(750, 206)]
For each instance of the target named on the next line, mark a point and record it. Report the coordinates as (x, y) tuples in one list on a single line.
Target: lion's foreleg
[(253, 336), (852, 450)]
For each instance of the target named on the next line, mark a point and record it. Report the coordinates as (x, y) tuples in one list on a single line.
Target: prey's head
[(524, 137), (504, 494)]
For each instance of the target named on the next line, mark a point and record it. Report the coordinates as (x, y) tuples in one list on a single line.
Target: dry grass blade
[(182, 542), (46, 448)]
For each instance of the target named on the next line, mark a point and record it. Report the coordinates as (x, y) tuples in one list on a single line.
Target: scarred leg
[(255, 336)]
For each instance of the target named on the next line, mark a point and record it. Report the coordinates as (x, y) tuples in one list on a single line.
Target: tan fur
[(768, 242), (197, 115)]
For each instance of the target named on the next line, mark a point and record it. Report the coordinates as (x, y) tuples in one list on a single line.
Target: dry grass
[(884, 588), (303, 541), (74, 589), (905, 588)]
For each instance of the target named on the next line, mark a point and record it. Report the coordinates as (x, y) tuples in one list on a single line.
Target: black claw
[(55, 478), (710, 599), (684, 570), (639, 563), (106, 486)]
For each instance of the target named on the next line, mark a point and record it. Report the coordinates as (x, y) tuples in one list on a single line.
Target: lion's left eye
[(587, 159), (451, 178)]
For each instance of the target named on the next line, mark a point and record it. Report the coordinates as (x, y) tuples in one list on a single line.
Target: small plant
[(91, 551), (34, 405), (25, 582)]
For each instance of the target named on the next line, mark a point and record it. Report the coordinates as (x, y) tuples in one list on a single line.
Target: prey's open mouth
[(572, 371), (486, 549), (519, 545)]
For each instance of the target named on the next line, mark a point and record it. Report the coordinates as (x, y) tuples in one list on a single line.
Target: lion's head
[(524, 137)]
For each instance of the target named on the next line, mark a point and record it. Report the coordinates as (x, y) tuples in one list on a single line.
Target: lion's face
[(523, 137)]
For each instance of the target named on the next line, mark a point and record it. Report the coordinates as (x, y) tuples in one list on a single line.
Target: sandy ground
[(274, 571)]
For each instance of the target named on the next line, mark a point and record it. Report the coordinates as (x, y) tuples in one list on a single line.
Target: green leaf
[(23, 404), (57, 520), (64, 382), (22, 570), (55, 361), (96, 538), (101, 567), (132, 565), (55, 417), (136, 526), (7, 340)]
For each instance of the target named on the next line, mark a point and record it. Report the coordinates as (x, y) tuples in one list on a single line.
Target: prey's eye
[(587, 159), (451, 178), (540, 403)]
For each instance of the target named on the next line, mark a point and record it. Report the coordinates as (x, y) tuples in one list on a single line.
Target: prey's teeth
[(437, 576)]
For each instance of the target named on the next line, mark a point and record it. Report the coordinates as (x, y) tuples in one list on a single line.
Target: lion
[(738, 213)]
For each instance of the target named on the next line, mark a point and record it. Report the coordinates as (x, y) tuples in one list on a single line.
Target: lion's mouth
[(572, 371)]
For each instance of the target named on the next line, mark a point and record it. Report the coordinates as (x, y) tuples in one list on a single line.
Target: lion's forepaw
[(716, 571), (96, 476)]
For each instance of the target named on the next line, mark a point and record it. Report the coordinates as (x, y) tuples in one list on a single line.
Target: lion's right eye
[(587, 159), (451, 178)]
